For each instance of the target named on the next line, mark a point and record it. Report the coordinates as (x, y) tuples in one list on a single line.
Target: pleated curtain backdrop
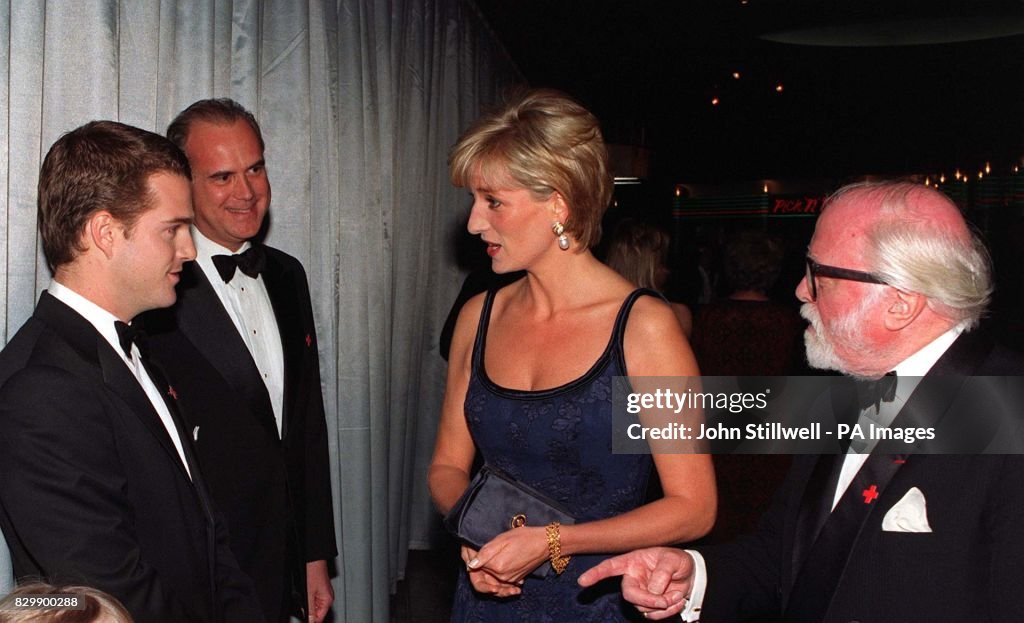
[(359, 102)]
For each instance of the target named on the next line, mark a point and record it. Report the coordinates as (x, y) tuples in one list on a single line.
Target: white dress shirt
[(103, 321), (248, 305), (908, 375)]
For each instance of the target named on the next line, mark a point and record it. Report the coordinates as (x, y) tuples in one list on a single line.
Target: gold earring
[(559, 230)]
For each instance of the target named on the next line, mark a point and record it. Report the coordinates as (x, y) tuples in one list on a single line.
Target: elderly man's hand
[(656, 580)]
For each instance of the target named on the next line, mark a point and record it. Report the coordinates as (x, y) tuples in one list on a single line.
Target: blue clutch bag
[(495, 502)]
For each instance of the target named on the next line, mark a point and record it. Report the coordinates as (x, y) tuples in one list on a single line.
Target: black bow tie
[(877, 391), (126, 335), (251, 262)]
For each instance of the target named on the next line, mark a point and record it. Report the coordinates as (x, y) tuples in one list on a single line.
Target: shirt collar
[(206, 248), (101, 319), (920, 362)]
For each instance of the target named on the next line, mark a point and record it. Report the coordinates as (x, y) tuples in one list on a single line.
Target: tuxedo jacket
[(274, 491), (92, 490), (806, 564)]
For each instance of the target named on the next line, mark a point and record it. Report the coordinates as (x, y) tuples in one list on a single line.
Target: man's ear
[(903, 308), (101, 231)]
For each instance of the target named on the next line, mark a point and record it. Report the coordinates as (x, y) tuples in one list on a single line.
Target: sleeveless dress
[(558, 441)]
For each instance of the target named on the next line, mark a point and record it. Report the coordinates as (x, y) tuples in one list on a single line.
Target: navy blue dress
[(558, 441)]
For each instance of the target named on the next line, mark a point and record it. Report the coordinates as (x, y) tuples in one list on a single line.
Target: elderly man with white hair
[(895, 283)]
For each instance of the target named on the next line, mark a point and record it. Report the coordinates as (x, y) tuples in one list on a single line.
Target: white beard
[(821, 350)]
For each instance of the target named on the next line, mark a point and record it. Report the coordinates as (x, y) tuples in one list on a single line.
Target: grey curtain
[(359, 101)]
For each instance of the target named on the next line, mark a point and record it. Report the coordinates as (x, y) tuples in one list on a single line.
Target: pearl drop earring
[(559, 230)]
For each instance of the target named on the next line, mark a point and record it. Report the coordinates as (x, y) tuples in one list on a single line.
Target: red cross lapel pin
[(171, 392), (309, 340), (870, 494)]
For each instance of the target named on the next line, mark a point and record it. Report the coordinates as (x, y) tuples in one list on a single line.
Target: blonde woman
[(532, 366)]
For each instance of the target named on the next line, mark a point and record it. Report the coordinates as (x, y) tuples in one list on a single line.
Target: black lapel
[(202, 319), (818, 578), (963, 356), (159, 378), (816, 502), (295, 336), (940, 400), (84, 338)]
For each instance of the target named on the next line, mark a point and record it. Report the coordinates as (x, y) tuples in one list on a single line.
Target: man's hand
[(656, 580), (318, 590)]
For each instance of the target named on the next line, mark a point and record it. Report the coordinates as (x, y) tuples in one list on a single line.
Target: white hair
[(953, 273), (915, 252)]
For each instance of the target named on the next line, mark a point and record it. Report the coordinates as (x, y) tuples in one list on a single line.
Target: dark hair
[(752, 261), (102, 165), (220, 111)]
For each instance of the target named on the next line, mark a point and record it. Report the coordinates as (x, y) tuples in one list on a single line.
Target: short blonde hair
[(95, 604), (546, 142)]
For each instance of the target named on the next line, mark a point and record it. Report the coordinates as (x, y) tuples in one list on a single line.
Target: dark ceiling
[(890, 87)]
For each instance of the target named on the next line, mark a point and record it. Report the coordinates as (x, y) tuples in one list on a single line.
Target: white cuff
[(700, 582)]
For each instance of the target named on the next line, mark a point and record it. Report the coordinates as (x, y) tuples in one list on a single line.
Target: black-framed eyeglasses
[(814, 270)]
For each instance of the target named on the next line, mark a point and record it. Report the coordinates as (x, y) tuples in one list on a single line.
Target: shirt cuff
[(700, 582)]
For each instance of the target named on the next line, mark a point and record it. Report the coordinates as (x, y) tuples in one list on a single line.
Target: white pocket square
[(910, 514)]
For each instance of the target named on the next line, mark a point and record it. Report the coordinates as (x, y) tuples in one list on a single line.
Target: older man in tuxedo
[(241, 349), (895, 283), (99, 484)]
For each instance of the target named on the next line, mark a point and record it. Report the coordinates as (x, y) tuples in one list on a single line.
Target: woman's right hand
[(484, 582)]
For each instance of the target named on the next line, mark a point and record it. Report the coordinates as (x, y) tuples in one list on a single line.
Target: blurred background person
[(531, 370), (638, 251), (93, 606), (748, 334)]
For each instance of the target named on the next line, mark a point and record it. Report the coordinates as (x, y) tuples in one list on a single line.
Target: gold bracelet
[(558, 561)]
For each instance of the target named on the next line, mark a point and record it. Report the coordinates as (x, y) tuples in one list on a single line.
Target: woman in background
[(637, 252), (531, 371), (748, 334)]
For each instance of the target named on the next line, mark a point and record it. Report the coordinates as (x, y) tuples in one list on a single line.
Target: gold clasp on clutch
[(518, 520)]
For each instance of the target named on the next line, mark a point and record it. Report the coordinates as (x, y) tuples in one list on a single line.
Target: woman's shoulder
[(649, 306), (466, 327), (650, 320), (655, 341)]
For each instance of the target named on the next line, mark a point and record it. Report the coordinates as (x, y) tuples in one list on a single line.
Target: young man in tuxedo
[(241, 348), (99, 484), (896, 282)]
